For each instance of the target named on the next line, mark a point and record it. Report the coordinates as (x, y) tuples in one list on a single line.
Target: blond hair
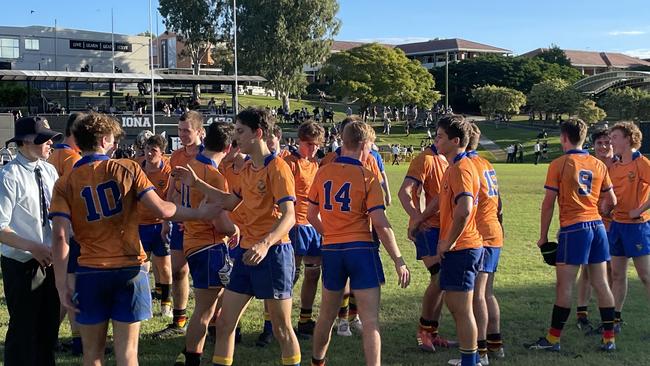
[(357, 133), (631, 130)]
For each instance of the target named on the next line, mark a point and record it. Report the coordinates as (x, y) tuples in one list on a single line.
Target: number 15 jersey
[(346, 193), (100, 199), (578, 178)]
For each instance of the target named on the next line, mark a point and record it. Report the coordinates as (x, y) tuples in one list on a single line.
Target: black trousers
[(33, 304)]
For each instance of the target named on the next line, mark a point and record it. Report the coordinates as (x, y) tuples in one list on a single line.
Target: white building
[(50, 49)]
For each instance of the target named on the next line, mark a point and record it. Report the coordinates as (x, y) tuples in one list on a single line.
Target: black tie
[(41, 192)]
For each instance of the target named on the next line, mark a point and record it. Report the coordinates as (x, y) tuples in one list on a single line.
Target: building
[(60, 49), (172, 53), (594, 62), (438, 52)]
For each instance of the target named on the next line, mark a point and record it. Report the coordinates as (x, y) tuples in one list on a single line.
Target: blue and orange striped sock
[(468, 357)]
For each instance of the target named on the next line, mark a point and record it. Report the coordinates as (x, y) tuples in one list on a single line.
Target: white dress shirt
[(20, 207)]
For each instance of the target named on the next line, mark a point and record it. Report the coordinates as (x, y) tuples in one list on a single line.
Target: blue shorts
[(358, 261), (305, 240), (120, 294), (205, 265), (73, 256), (176, 237), (583, 243), (271, 279), (629, 240), (458, 269), (152, 241), (490, 262), (426, 242)]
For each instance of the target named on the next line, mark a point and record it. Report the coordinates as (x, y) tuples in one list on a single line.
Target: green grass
[(524, 286)]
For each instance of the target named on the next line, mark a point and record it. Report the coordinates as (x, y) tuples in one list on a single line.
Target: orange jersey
[(100, 199), (487, 216), (632, 187), (198, 233), (63, 158), (284, 153), (304, 171), (160, 179), (369, 163), (261, 191), (233, 179), (427, 170), (181, 157), (461, 179), (578, 178), (345, 193)]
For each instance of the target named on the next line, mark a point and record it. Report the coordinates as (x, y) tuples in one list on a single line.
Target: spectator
[(510, 150), (521, 152), (386, 126), (395, 151), (537, 149), (545, 150), (348, 111)]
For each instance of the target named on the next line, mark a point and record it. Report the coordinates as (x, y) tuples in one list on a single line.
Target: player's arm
[(432, 208), (386, 188), (313, 216), (409, 198), (223, 224), (258, 251), (463, 209), (60, 253), (227, 201), (174, 212), (387, 238), (548, 205)]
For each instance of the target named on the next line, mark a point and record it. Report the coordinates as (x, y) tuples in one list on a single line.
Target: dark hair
[(310, 130), (88, 130), (474, 138), (72, 118), (277, 131), (599, 134), (218, 136), (575, 130), (257, 118), (157, 141), (456, 126)]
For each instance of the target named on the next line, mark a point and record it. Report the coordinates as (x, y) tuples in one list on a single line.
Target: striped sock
[(582, 312), (268, 327), (291, 360), (221, 361), (317, 362), (180, 317), (494, 341), (426, 325), (345, 307), (468, 357), (554, 335), (482, 347), (608, 317), (353, 308), (305, 315)]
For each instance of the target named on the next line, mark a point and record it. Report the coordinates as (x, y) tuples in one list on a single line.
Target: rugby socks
[(482, 348), (180, 318), (77, 348), (617, 317), (192, 359), (157, 291), (427, 325), (345, 307), (560, 316), (582, 312), (221, 361), (494, 342), (435, 325), (165, 294), (353, 308), (608, 318), (268, 328), (291, 360), (305, 315), (468, 357), (317, 362)]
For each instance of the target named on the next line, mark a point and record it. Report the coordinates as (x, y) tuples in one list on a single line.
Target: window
[(32, 44), (9, 48)]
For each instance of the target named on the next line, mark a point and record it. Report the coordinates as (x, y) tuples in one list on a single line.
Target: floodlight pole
[(446, 81), (153, 100), (112, 41), (235, 107)]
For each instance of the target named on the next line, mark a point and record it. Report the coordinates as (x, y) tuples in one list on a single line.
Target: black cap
[(33, 129)]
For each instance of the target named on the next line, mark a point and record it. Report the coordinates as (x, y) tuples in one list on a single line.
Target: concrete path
[(489, 145)]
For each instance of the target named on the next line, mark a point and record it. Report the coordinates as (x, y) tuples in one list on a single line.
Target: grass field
[(524, 286)]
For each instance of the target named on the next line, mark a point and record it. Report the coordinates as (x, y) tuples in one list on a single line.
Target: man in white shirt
[(538, 151), (26, 185)]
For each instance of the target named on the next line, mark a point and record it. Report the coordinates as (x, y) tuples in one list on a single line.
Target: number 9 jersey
[(100, 199), (578, 178), (346, 192)]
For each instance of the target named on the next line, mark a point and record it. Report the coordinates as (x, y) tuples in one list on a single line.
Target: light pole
[(153, 100), (446, 80), (235, 107)]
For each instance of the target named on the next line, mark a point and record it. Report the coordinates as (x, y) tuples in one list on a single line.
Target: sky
[(517, 25)]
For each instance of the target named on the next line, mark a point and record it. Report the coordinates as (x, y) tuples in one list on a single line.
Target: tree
[(519, 73), (589, 112), (375, 74), (199, 24), (627, 103), (277, 38), (554, 97), (554, 55), (499, 100)]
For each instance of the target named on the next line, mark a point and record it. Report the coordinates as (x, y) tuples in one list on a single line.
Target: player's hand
[(443, 247), (403, 274), (636, 213), (41, 253), (65, 296), (256, 254), (412, 233), (185, 174), (208, 211), (388, 199), (164, 233), (233, 241), (541, 242)]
